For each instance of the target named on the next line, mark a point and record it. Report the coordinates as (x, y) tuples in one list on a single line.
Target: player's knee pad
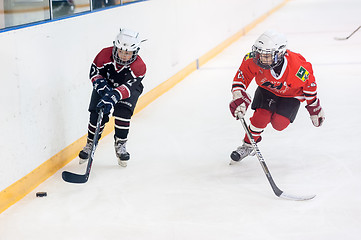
[(123, 113), (94, 118), (261, 117), (279, 122)]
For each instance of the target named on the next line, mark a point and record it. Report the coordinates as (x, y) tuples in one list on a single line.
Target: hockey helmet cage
[(126, 40), (272, 44)]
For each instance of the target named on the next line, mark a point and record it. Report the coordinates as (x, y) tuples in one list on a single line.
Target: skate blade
[(82, 161), (122, 163), (232, 162)]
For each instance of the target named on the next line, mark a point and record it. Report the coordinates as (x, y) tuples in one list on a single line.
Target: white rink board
[(178, 184), (45, 68)]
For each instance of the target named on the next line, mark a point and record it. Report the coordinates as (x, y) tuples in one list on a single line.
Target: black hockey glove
[(108, 101), (100, 85)]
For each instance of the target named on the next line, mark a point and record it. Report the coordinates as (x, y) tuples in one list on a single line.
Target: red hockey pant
[(261, 117)]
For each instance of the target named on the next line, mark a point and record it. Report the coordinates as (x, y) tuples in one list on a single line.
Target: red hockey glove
[(240, 103), (316, 113)]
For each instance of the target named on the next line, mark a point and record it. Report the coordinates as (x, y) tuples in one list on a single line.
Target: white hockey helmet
[(127, 40), (270, 44)]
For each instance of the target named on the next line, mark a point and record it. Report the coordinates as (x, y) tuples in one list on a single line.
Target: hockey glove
[(240, 103), (108, 101), (316, 113), (100, 85)]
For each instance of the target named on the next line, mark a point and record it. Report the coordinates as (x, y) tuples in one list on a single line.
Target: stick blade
[(340, 38), (296, 198), (74, 178)]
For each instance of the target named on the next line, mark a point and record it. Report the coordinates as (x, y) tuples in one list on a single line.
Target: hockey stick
[(276, 190), (78, 178), (345, 38)]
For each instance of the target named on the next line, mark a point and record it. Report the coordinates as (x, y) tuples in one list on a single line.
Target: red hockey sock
[(279, 122), (261, 117), (259, 120)]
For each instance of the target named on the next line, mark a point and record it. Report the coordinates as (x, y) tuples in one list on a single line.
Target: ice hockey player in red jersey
[(284, 79), (116, 74)]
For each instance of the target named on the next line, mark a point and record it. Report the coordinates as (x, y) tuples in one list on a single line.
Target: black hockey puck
[(41, 194)]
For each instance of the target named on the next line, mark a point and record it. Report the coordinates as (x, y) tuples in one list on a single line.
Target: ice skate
[(84, 154), (241, 152), (121, 151)]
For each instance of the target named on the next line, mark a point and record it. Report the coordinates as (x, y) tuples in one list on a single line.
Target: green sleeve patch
[(248, 56), (302, 74)]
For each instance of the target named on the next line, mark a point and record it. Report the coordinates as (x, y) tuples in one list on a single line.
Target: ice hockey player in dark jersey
[(284, 79), (116, 74)]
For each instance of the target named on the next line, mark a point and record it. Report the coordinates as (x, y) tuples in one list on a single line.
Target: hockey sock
[(91, 131), (93, 122), (122, 124), (261, 117), (279, 122), (256, 133)]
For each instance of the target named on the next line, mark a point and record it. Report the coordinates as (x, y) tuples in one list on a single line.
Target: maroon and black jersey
[(119, 77)]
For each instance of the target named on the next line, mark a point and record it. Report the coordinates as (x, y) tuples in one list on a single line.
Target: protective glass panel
[(18, 12), (63, 8)]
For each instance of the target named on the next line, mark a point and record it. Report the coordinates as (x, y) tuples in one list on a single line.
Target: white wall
[(44, 82)]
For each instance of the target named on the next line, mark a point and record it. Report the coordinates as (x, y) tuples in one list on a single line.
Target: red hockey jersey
[(296, 79)]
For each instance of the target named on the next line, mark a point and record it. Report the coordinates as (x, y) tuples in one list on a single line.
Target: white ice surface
[(178, 184)]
